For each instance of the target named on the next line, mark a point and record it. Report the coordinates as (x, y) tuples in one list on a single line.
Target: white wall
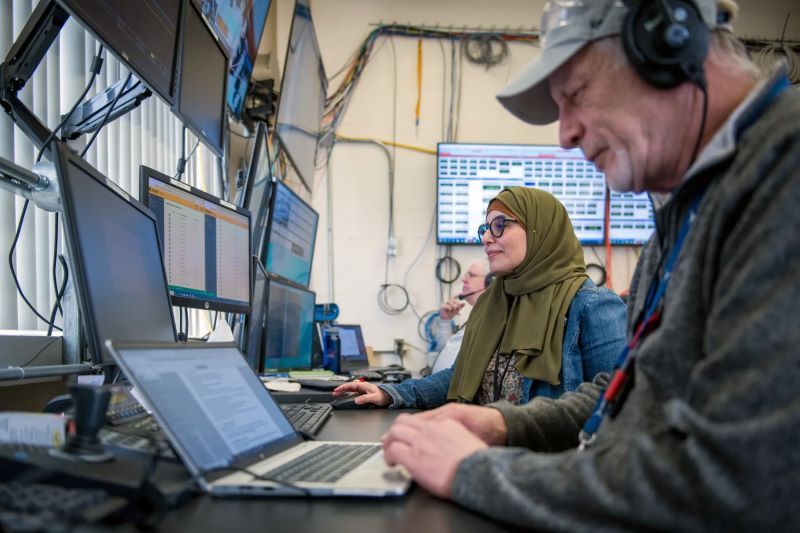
[(359, 179)]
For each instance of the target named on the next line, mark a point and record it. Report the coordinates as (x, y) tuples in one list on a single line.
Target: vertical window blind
[(149, 135)]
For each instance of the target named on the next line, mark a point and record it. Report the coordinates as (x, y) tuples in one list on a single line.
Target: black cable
[(55, 274), (59, 294), (108, 113), (14, 272), (97, 65), (602, 270), (440, 265), (40, 352)]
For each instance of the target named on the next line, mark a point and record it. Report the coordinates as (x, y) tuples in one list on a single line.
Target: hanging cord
[(108, 113), (182, 161), (55, 273), (14, 272), (419, 82), (59, 294), (97, 66)]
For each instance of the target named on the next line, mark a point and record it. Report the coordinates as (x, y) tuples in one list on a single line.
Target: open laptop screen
[(209, 400), (352, 349)]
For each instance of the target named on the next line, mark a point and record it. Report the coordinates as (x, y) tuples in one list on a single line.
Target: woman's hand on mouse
[(368, 393)]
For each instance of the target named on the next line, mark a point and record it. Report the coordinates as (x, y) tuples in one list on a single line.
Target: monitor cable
[(96, 67), (108, 114), (14, 272), (182, 161)]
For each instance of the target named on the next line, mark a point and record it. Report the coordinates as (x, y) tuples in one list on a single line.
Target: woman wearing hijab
[(541, 328)]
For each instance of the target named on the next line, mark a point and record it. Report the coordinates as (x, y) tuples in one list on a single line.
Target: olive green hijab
[(524, 313)]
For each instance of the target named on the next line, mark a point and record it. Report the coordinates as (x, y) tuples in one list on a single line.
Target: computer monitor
[(291, 233), (352, 351), (239, 26), (203, 72), (253, 324), (258, 186), (631, 220), (143, 34), (304, 88), (469, 175), (288, 327), (206, 244), (114, 257)]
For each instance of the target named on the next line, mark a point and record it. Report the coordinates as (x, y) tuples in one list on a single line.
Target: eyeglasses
[(496, 227)]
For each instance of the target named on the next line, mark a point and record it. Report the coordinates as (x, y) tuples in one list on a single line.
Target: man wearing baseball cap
[(698, 428)]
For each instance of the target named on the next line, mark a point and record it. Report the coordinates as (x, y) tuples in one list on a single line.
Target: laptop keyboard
[(307, 417), (325, 464)]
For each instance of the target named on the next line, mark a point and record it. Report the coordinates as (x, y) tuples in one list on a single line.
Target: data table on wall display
[(631, 218), (470, 175)]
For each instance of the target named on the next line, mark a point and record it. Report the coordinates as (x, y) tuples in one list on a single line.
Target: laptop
[(234, 438)]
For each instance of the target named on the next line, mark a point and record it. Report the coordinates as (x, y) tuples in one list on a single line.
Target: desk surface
[(416, 511)]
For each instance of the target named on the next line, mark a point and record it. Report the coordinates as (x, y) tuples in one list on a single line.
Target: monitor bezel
[(188, 121), (275, 279), (585, 242), (307, 181), (268, 233), (62, 158), (195, 303), (362, 362), (259, 217), (237, 113), (173, 84)]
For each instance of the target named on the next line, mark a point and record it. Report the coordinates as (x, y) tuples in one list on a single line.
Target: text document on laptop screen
[(211, 401)]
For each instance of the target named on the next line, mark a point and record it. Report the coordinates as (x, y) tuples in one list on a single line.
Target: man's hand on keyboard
[(369, 393)]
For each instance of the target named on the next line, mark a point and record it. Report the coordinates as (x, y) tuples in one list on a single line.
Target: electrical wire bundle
[(480, 49)]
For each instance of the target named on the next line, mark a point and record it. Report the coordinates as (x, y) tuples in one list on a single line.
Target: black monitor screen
[(291, 233), (302, 99), (115, 259), (288, 327), (201, 87), (206, 244), (469, 175), (258, 187), (239, 26), (143, 33), (254, 322)]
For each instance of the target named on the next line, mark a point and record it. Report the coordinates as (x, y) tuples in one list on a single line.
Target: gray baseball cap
[(567, 26)]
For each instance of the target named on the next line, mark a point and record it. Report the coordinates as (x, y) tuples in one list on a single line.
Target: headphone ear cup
[(488, 279), (666, 48)]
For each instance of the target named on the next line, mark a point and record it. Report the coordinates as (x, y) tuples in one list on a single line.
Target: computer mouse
[(349, 403)]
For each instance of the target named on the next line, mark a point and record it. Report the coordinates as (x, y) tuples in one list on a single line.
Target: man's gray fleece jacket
[(709, 437)]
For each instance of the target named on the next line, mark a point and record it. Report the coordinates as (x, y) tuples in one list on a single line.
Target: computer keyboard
[(307, 417), (42, 507)]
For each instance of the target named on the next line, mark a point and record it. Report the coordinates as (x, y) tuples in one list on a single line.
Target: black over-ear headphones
[(666, 41)]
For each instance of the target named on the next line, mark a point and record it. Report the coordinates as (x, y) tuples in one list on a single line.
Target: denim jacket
[(593, 339)]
